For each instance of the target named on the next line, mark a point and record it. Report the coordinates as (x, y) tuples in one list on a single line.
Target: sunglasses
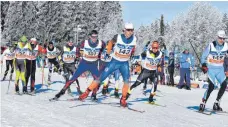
[(221, 38), (154, 47), (94, 36), (129, 29)]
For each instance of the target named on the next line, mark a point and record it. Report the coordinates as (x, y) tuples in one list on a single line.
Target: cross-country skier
[(150, 65), (20, 63), (52, 54), (92, 49), (69, 60), (8, 55), (33, 50), (212, 62), (123, 46)]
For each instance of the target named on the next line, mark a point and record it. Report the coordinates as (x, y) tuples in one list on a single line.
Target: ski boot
[(79, 91), (57, 96), (94, 97), (188, 88), (123, 102), (217, 107), (84, 95), (105, 90), (25, 90), (17, 90), (151, 97), (116, 94), (202, 107), (3, 79), (59, 71)]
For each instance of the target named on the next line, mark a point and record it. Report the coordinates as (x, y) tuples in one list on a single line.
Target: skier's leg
[(82, 67), (182, 76), (111, 67), (12, 68), (7, 69), (27, 74), (33, 76), (222, 80), (23, 74)]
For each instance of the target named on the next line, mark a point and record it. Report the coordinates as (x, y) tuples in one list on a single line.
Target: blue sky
[(145, 12)]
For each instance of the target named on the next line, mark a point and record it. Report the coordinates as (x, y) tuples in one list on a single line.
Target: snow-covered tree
[(198, 25), (225, 21), (47, 20)]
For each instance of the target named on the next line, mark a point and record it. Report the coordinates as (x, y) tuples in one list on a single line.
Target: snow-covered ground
[(37, 111)]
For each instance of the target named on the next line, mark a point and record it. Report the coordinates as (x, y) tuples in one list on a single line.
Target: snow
[(27, 111)]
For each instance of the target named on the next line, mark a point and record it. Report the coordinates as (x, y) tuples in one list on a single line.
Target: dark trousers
[(30, 71), (171, 74), (183, 72), (9, 63)]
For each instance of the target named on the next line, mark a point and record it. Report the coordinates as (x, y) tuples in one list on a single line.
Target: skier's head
[(70, 41), (186, 50), (171, 55), (23, 40), (33, 42), (93, 36), (221, 36), (128, 30), (154, 47), (50, 45)]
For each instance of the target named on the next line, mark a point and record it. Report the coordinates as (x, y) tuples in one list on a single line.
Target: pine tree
[(162, 26)]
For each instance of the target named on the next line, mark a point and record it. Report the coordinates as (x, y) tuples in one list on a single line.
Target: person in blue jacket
[(212, 62), (186, 65)]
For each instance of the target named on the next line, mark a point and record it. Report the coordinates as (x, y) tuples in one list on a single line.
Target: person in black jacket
[(171, 68)]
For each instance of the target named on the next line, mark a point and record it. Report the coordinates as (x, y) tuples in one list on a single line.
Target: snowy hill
[(37, 111)]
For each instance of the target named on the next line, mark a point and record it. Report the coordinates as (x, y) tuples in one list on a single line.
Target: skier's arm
[(3, 55), (111, 44), (102, 49), (205, 54)]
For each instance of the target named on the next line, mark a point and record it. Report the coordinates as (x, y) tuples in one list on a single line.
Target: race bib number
[(152, 63), (69, 57), (51, 55), (91, 53), (21, 54), (32, 54), (123, 51), (217, 59), (9, 56)]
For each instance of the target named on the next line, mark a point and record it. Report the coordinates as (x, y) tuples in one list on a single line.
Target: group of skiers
[(102, 60)]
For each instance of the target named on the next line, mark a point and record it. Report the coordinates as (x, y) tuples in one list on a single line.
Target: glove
[(77, 59), (107, 56), (204, 68)]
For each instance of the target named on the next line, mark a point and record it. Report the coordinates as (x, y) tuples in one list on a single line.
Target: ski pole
[(9, 83), (194, 51)]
